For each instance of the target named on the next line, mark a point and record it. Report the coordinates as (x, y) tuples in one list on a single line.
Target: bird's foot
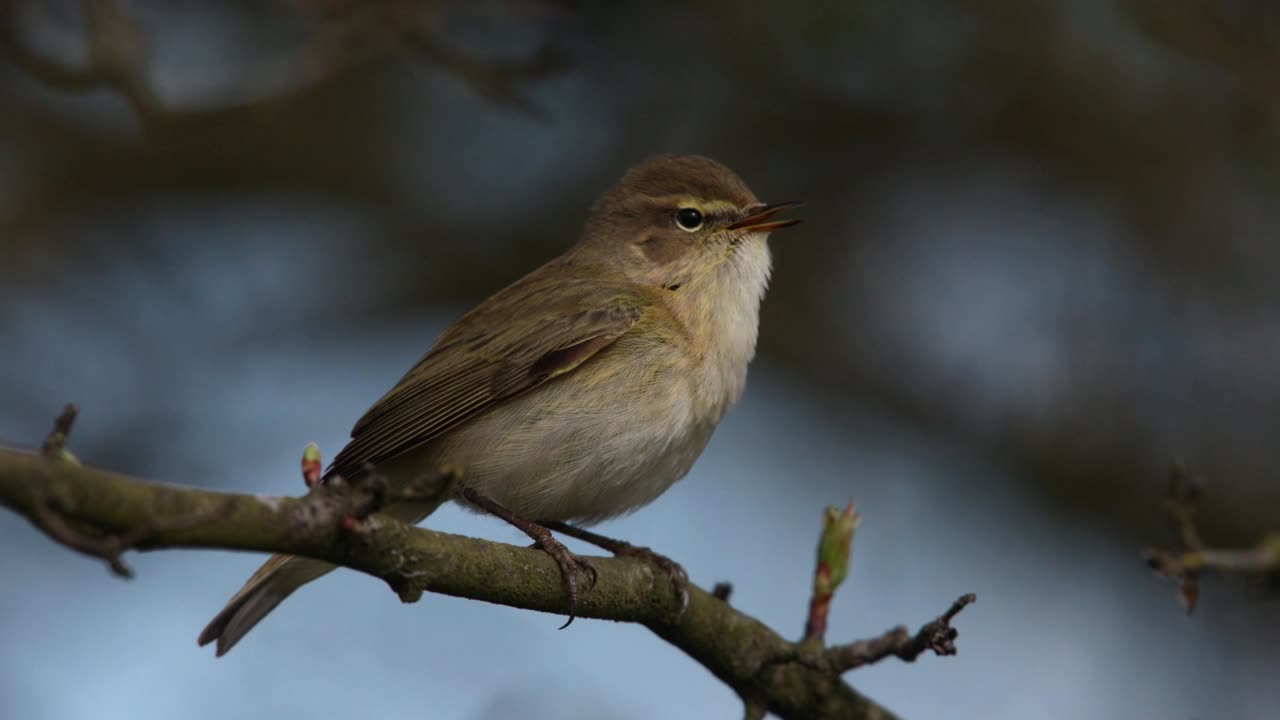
[(672, 569), (569, 563)]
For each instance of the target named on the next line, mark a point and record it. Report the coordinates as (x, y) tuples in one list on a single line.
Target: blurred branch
[(343, 35), (102, 514), (117, 57), (1194, 557), (1238, 36), (500, 81)]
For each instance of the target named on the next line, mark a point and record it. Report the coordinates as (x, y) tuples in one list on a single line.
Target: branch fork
[(1194, 557)]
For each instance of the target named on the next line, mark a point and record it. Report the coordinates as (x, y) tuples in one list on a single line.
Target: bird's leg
[(569, 563), (679, 578)]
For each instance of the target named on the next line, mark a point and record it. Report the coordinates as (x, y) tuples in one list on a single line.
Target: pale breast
[(604, 440)]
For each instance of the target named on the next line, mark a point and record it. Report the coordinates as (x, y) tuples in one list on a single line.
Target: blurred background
[(1039, 262)]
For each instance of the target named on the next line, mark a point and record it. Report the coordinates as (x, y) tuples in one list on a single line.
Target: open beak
[(757, 217)]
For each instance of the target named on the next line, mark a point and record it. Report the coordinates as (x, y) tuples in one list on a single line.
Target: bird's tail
[(280, 576), (272, 583)]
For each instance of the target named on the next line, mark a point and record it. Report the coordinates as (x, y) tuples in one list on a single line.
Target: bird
[(583, 390)]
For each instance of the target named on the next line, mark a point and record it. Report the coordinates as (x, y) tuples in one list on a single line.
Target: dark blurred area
[(1041, 241)]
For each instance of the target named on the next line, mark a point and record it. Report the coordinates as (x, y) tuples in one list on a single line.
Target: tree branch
[(342, 37), (102, 514), (936, 635), (1195, 557)]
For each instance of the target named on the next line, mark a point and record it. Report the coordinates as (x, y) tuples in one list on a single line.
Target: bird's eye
[(689, 219)]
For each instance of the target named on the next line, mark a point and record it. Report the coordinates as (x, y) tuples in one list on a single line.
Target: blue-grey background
[(1039, 262)]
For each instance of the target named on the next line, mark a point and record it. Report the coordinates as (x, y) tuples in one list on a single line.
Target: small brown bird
[(582, 391)]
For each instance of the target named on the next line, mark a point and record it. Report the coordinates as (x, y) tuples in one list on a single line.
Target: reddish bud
[(311, 465)]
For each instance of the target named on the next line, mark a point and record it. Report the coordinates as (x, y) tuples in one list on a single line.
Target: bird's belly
[(560, 453)]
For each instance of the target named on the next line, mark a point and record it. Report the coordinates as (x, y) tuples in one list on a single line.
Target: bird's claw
[(570, 564)]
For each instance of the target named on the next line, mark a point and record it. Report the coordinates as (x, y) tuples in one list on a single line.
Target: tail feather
[(271, 584), (280, 576)]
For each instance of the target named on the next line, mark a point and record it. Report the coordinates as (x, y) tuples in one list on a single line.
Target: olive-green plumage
[(585, 389)]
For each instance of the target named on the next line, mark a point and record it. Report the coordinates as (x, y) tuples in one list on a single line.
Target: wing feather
[(513, 342)]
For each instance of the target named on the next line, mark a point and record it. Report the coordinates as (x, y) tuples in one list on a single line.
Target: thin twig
[(1180, 505), (54, 445), (936, 636)]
